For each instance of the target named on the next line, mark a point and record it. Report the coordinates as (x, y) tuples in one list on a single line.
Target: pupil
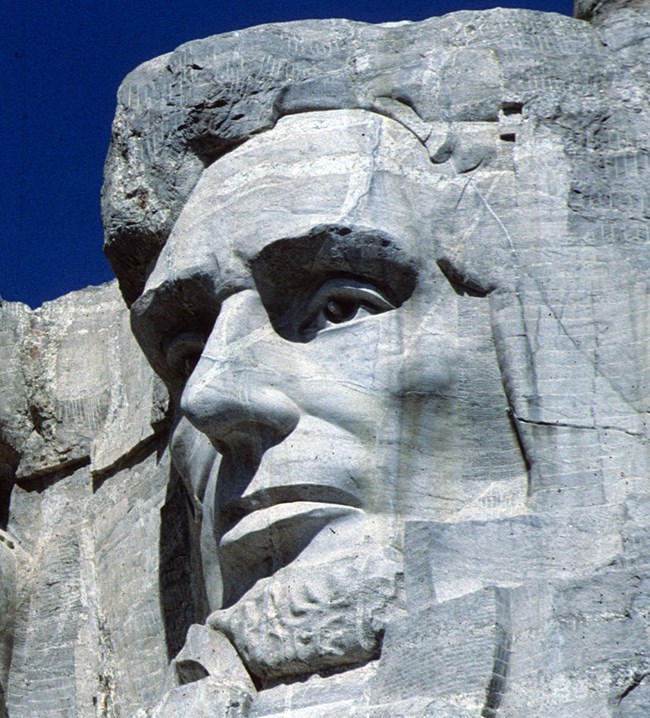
[(339, 311)]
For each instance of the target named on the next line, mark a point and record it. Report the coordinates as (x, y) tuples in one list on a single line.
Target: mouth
[(266, 531), (239, 508), (261, 528)]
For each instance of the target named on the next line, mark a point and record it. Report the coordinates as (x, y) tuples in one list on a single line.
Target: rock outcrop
[(395, 281)]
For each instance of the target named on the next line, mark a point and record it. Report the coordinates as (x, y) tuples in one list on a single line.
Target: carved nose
[(235, 395)]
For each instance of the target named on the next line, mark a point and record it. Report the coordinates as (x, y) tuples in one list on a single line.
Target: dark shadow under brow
[(181, 304), (293, 267)]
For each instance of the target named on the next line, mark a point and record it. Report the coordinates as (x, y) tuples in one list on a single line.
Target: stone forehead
[(347, 167), (317, 145), (355, 138), (180, 112)]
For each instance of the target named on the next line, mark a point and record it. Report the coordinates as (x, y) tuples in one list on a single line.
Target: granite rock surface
[(392, 455)]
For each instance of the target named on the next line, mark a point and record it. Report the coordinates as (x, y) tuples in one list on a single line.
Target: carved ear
[(566, 407)]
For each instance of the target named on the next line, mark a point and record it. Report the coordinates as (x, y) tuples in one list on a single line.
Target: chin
[(316, 617)]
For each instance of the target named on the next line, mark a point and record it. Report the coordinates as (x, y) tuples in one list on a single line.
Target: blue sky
[(62, 62)]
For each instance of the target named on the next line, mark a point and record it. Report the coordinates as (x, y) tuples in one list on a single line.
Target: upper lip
[(236, 509)]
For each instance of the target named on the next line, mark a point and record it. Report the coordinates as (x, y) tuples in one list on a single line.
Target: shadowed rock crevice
[(5, 502), (498, 683), (182, 591)]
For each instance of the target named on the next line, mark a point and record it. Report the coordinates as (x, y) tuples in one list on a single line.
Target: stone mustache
[(395, 281)]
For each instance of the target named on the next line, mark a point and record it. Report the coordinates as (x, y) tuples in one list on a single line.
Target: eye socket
[(183, 353), (343, 300)]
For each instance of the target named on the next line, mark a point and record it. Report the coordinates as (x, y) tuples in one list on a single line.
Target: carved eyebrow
[(463, 283), (289, 271), (292, 265)]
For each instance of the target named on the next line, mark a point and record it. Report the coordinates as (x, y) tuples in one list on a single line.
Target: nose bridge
[(236, 392), (241, 316)]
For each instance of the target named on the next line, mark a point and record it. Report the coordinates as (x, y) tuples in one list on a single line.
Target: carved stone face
[(344, 383)]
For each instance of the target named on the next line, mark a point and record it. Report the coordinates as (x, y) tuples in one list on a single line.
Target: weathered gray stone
[(596, 10), (395, 281), (75, 384), (207, 678), (15, 421), (461, 557), (12, 560), (422, 656), (79, 404)]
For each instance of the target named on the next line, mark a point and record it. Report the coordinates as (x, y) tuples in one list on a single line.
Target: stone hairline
[(179, 113), (209, 160)]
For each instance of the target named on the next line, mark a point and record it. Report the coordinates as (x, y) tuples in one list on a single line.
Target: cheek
[(413, 349), (362, 375), (425, 359), (427, 369)]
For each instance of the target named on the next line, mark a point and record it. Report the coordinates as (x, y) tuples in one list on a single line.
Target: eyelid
[(345, 289)]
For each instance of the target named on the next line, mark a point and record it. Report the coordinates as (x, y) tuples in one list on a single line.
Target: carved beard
[(315, 618)]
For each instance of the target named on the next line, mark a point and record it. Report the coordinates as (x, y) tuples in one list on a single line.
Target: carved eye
[(342, 300), (184, 352), (340, 310)]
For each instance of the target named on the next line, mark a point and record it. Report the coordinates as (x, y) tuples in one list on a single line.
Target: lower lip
[(264, 519)]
